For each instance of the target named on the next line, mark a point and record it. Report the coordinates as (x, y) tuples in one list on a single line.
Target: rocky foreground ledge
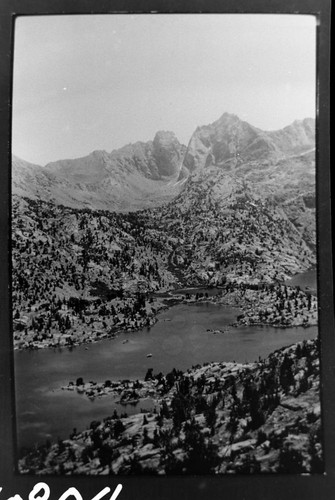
[(217, 418)]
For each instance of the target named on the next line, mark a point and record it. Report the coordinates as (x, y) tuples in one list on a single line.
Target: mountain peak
[(228, 117), (165, 135), (231, 141), (139, 175), (99, 153), (228, 139)]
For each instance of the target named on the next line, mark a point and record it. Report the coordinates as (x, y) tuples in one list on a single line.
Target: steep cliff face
[(230, 160), (228, 140), (276, 166), (155, 159), (231, 142), (140, 175), (168, 153)]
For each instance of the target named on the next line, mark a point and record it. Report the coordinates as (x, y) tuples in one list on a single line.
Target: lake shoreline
[(116, 444), (177, 341), (300, 309)]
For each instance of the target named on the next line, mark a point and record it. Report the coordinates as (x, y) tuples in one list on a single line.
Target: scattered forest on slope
[(215, 418), (81, 275), (242, 218)]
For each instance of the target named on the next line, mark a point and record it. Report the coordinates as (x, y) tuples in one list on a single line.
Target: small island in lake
[(164, 289)]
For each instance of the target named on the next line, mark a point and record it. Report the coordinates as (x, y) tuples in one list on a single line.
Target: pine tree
[(290, 461)]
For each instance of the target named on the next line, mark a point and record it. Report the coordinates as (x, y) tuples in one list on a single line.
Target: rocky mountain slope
[(222, 231), (235, 210), (230, 157), (238, 223), (261, 417), (278, 165), (80, 275), (247, 210), (135, 176), (230, 142)]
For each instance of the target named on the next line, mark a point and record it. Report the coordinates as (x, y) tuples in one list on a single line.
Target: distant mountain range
[(147, 175), (136, 176), (230, 142)]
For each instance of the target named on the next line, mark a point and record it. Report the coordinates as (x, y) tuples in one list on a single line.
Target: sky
[(98, 82)]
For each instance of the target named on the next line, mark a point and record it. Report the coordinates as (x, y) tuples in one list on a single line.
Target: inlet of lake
[(179, 339)]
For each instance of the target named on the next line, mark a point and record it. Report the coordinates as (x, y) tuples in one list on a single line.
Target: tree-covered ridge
[(215, 418), (74, 267), (79, 275)]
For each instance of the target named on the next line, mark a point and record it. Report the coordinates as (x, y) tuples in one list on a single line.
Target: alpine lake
[(182, 337)]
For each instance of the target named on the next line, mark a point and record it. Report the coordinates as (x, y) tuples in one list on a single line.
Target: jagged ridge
[(136, 176)]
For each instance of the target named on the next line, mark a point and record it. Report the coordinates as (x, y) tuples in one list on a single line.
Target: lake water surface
[(306, 280), (178, 340)]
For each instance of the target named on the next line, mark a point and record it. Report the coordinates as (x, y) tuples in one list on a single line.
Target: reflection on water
[(178, 340)]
